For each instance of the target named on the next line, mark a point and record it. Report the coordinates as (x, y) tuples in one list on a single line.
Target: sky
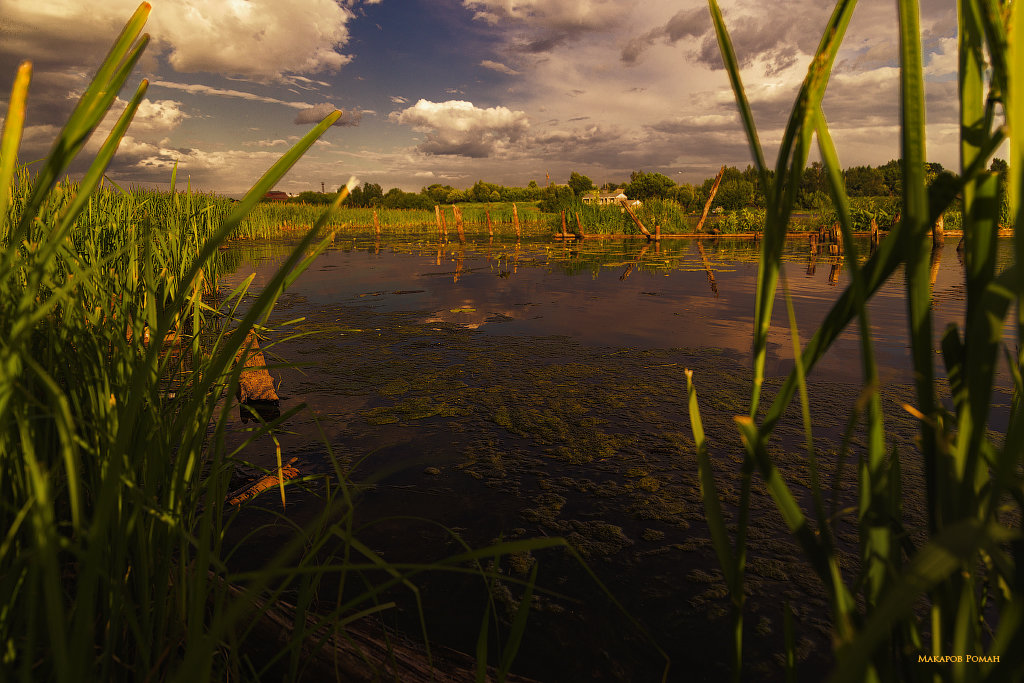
[(454, 91)]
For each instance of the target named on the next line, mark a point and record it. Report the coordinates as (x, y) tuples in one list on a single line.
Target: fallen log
[(269, 481)]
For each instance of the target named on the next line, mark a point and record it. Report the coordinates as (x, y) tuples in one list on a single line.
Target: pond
[(499, 390)]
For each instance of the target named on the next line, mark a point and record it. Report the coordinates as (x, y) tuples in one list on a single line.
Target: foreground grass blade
[(10, 141)]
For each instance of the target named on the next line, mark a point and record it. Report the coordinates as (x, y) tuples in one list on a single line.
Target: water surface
[(512, 390)]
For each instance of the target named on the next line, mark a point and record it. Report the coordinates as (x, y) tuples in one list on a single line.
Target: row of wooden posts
[(442, 222)]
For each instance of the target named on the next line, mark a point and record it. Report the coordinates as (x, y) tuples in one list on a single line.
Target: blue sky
[(452, 91)]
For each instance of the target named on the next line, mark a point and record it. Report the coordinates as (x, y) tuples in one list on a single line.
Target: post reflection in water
[(629, 268), (707, 269)]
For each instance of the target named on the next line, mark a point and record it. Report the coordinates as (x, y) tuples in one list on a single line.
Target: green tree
[(864, 181), (646, 185), (684, 194), (892, 174), (580, 184), (437, 192)]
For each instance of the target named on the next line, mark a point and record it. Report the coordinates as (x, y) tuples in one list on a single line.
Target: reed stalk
[(974, 496), (116, 366)]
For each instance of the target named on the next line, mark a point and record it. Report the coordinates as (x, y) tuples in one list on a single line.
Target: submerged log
[(249, 491), (254, 382)]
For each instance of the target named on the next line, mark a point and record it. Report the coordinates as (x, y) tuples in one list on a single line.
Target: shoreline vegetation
[(118, 363)]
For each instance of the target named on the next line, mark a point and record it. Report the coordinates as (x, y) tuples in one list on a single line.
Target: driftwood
[(711, 198)]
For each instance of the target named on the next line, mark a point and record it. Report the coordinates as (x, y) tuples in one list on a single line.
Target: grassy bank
[(116, 390)]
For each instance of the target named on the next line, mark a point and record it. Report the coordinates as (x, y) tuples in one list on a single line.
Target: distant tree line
[(737, 190)]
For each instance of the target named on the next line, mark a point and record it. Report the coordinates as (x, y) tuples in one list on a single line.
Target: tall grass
[(115, 391), (271, 219), (953, 589)]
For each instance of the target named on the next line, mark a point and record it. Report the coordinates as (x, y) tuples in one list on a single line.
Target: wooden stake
[(939, 231), (437, 217), (376, 223), (457, 214), (565, 233), (711, 198), (490, 228), (625, 205), (579, 225), (515, 220)]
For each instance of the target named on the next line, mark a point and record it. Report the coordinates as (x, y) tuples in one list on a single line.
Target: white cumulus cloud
[(260, 40), (461, 128)]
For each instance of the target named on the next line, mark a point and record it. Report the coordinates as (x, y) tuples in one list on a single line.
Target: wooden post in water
[(657, 231), (625, 205), (515, 220), (457, 215), (490, 227), (437, 217), (933, 273), (874, 232), (939, 231), (711, 198), (376, 223), (565, 233), (579, 225), (444, 224)]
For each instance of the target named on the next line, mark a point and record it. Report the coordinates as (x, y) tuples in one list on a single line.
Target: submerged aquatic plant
[(965, 576)]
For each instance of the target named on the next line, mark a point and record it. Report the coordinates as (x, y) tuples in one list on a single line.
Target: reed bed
[(118, 369), (946, 602), (269, 220)]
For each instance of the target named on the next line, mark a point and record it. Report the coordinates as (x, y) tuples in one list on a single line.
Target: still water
[(505, 390)]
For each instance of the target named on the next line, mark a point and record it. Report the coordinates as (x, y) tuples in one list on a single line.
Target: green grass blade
[(946, 553), (89, 112), (14, 124), (732, 68), (518, 628)]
